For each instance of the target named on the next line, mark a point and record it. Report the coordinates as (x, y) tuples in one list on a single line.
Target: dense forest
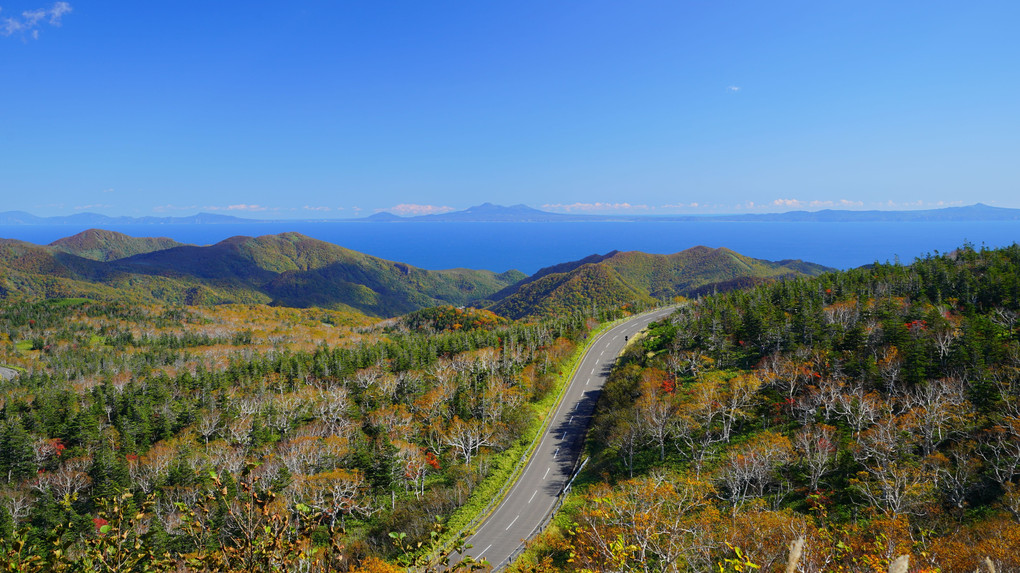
[(257, 438), (874, 412)]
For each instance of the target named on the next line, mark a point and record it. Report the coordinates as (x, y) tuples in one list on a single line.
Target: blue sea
[(530, 246)]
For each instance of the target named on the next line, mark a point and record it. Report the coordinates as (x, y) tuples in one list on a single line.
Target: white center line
[(556, 452), (511, 524), (484, 550), (546, 472), (533, 496)]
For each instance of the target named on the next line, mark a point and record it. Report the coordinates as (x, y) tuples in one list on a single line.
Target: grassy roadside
[(561, 521), (507, 465)]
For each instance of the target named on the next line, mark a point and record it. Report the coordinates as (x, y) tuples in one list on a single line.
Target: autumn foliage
[(874, 412), (328, 428)]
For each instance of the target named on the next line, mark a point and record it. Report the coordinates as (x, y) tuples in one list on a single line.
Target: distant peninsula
[(97, 220), (490, 213)]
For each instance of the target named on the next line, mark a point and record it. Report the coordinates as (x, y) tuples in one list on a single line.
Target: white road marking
[(484, 550), (556, 452), (533, 496), (511, 525), (510, 496)]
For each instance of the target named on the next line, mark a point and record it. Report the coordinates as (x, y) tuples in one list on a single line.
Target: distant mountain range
[(291, 269), (97, 220), (975, 212), (489, 213)]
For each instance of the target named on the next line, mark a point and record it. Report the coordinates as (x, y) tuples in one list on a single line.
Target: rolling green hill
[(100, 245), (291, 269), (288, 269), (617, 278), (34, 272)]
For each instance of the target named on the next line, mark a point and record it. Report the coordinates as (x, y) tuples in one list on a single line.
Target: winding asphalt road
[(530, 500)]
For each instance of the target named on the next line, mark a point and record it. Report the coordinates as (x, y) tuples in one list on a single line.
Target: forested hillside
[(873, 412), (293, 270), (249, 438), (617, 278), (287, 270), (101, 245), (876, 412)]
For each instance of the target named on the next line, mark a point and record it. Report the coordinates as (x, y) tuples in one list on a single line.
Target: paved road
[(550, 467)]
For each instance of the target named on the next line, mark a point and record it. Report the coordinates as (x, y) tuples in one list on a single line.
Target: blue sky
[(338, 109)]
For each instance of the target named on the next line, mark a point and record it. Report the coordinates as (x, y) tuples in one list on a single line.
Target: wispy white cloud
[(790, 203), (92, 206), (842, 203), (240, 207), (919, 204), (30, 20), (813, 204), (110, 190), (169, 207), (414, 209), (311, 208), (683, 206), (733, 89), (597, 206)]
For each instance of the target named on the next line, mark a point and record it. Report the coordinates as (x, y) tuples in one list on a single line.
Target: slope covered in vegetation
[(244, 437), (617, 278), (875, 412), (288, 269), (101, 245)]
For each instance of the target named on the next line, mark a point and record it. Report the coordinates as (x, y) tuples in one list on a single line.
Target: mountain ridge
[(288, 269), (620, 277), (491, 213), (291, 269)]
